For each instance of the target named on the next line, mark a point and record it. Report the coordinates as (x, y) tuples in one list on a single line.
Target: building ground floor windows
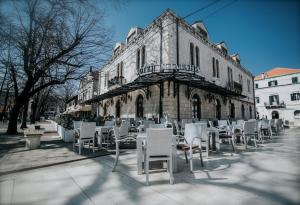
[(158, 102)]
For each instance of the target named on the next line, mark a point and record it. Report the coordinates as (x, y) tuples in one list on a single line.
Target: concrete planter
[(65, 134), (68, 135), (33, 138)]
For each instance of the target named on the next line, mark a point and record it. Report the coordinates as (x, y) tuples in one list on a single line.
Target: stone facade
[(160, 43)]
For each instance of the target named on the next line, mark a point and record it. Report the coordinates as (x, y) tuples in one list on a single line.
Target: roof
[(275, 72)]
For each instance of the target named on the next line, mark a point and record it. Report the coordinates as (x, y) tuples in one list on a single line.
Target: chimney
[(91, 69)]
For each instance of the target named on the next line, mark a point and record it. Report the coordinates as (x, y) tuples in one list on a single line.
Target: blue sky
[(265, 33)]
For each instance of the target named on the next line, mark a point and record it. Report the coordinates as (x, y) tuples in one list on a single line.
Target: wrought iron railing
[(169, 68), (117, 80), (275, 105)]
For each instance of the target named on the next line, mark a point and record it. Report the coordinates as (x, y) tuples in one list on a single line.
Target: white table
[(100, 130), (140, 141)]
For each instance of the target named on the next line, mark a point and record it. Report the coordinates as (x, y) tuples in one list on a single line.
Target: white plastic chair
[(193, 135), (121, 135), (87, 134), (249, 131), (159, 147)]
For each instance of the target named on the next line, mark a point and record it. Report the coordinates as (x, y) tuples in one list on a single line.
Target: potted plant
[(65, 127)]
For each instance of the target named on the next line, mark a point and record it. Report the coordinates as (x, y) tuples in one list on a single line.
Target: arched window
[(196, 107), (243, 111), (118, 109), (232, 110), (218, 109), (197, 57), (192, 53), (297, 114), (140, 106)]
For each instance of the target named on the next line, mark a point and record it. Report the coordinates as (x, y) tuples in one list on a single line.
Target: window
[(257, 99), (143, 60), (294, 80), (274, 99), (248, 85), (138, 60), (197, 57), (230, 77), (196, 107), (295, 96), (243, 111), (217, 68), (121, 69), (272, 83), (118, 70), (256, 85), (213, 66), (297, 114), (192, 53), (140, 106)]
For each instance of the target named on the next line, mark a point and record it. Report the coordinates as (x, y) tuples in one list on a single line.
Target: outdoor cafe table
[(100, 130), (140, 142)]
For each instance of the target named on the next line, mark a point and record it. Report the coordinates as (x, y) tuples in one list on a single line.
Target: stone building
[(277, 94), (172, 68), (88, 89)]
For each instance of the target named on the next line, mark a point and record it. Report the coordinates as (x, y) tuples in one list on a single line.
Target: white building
[(277, 94), (171, 67)]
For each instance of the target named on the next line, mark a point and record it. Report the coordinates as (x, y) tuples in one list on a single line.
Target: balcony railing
[(275, 105), (235, 86), (169, 68), (117, 80)]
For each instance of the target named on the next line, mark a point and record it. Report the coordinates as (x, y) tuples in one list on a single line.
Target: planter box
[(65, 134), (68, 135), (33, 138)]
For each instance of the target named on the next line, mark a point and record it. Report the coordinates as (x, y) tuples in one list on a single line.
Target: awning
[(154, 74)]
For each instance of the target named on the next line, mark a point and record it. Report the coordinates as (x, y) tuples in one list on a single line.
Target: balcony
[(235, 87), (117, 80), (275, 105)]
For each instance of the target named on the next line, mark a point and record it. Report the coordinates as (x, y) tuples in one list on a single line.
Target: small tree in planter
[(65, 129)]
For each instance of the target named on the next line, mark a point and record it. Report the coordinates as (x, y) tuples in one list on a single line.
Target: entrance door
[(275, 115), (196, 107), (218, 109), (118, 109)]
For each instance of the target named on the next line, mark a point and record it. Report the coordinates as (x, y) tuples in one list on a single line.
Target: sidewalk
[(15, 157)]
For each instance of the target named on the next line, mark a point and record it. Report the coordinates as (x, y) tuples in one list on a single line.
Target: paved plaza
[(267, 175)]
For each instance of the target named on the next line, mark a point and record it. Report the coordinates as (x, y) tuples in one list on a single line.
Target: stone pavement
[(267, 175), (14, 156)]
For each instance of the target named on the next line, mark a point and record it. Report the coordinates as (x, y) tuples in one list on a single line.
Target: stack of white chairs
[(249, 132), (159, 148), (121, 134), (265, 128), (86, 136), (194, 135)]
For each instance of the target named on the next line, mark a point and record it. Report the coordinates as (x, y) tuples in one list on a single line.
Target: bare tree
[(50, 40)]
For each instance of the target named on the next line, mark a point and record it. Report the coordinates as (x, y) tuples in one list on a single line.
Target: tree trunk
[(13, 119), (24, 116), (33, 112), (3, 114)]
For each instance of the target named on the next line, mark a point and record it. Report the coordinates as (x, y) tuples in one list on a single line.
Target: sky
[(265, 33)]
